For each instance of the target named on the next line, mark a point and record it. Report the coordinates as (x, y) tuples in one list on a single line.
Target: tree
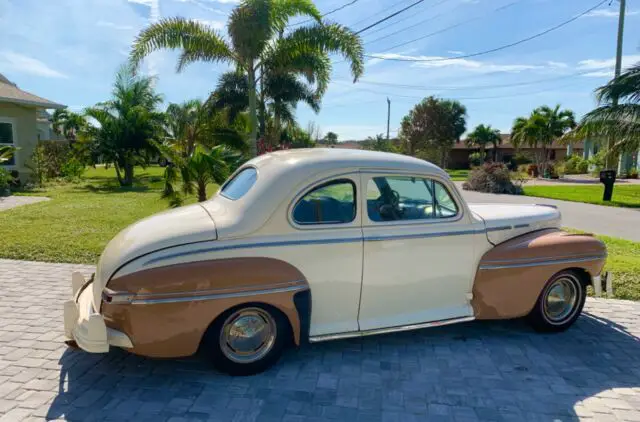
[(541, 128), (6, 153), (126, 125), (621, 122), (194, 123), (482, 136), (432, 127), (256, 41), (379, 143), (195, 172), (313, 129), (331, 138), (68, 123)]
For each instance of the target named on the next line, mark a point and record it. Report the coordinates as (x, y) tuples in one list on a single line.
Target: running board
[(352, 334)]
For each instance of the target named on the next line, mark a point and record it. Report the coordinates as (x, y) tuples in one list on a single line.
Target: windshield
[(240, 184)]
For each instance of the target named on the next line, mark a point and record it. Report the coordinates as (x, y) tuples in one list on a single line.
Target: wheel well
[(209, 332), (583, 275)]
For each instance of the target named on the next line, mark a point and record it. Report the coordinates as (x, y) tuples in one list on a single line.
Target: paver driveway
[(477, 371)]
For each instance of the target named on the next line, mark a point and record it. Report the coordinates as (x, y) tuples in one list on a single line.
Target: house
[(459, 155), (23, 122)]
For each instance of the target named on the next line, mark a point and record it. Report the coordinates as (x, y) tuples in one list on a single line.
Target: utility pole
[(388, 116), (608, 177)]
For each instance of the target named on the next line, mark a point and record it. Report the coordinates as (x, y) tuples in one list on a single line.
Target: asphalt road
[(609, 221)]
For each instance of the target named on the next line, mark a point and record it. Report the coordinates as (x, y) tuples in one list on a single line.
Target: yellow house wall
[(26, 133)]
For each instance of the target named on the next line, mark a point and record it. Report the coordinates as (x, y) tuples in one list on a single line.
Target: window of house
[(331, 203), (6, 138), (397, 198), (240, 184)]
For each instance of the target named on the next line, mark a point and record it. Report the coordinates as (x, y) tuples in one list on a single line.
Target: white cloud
[(608, 13), (147, 3), (203, 4), (600, 74), (213, 24), (114, 25), (456, 52), (597, 64), (559, 65), (23, 64), (466, 64)]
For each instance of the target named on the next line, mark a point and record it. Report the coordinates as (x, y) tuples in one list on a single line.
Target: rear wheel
[(247, 340), (559, 304)]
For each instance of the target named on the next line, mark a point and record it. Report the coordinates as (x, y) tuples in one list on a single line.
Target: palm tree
[(541, 128), (617, 122), (127, 124), (196, 171), (193, 122), (482, 136), (6, 152), (68, 123), (257, 41)]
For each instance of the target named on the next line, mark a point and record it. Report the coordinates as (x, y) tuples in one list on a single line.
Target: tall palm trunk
[(263, 108), (202, 191), (128, 174), (253, 116)]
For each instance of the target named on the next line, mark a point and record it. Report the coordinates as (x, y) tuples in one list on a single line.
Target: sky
[(69, 50)]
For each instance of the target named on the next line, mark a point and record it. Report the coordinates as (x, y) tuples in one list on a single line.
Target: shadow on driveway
[(480, 370)]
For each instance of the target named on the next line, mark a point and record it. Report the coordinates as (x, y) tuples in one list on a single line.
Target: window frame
[(233, 176), (14, 134), (352, 178), (369, 176)]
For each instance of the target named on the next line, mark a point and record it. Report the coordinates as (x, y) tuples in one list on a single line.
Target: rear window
[(237, 187)]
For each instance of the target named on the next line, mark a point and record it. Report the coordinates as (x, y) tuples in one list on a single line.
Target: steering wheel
[(390, 208)]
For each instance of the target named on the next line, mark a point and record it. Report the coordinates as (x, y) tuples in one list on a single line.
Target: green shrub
[(576, 165), (476, 159), (5, 182), (492, 178), (72, 169), (53, 160), (633, 173)]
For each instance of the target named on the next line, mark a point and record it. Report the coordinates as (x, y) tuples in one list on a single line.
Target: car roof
[(314, 160)]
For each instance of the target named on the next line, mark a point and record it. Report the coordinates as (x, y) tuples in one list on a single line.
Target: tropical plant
[(5, 182), (378, 143), (257, 43), (6, 152), (477, 158), (540, 129), (576, 165), (617, 118), (483, 135), (194, 172), (331, 138), (68, 123), (193, 122), (126, 125), (433, 126), (492, 178)]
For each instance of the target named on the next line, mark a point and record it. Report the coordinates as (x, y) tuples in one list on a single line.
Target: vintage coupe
[(324, 244)]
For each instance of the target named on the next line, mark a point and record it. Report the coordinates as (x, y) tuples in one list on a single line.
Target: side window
[(330, 203), (397, 198), (237, 187)]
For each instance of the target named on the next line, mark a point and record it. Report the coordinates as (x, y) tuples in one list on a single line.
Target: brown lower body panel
[(512, 292), (168, 330)]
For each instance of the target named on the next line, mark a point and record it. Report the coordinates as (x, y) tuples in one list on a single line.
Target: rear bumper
[(85, 325)]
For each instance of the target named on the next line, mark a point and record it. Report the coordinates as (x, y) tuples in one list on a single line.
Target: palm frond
[(626, 87)]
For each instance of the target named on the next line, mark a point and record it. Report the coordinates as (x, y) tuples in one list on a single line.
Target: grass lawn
[(458, 175), (623, 195), (79, 220)]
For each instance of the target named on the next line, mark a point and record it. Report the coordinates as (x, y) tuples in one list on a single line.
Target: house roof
[(10, 93)]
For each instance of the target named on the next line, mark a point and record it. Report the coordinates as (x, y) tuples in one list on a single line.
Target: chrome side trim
[(340, 336), (421, 235), (539, 263), (520, 226), (256, 245), (215, 296), (497, 229)]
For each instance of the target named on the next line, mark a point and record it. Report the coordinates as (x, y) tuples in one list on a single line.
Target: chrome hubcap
[(247, 335), (561, 299)]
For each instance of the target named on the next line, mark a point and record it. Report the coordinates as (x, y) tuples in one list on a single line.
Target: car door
[(327, 249), (418, 251)]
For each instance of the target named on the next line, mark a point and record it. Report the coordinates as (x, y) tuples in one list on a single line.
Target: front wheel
[(247, 340), (559, 304)]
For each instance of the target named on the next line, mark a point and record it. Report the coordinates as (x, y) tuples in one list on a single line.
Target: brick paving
[(489, 371)]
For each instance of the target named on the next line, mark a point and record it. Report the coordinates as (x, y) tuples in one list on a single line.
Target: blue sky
[(68, 51)]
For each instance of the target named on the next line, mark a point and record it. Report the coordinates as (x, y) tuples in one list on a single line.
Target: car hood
[(506, 221), (175, 227)]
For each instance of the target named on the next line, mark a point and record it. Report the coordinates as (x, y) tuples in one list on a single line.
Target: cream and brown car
[(325, 244)]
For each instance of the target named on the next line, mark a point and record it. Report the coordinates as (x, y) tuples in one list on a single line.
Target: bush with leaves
[(5, 182), (576, 165), (492, 178), (476, 159)]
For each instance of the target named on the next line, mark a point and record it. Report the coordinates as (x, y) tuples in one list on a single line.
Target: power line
[(386, 18), (377, 13), (337, 9), (440, 31), (493, 50), (406, 18)]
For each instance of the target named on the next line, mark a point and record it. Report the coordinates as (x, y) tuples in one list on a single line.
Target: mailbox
[(608, 178)]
